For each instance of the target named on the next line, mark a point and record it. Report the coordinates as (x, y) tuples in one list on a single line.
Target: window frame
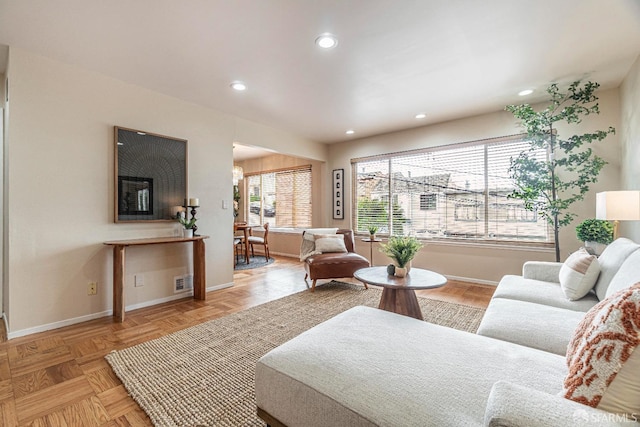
[(482, 209), (262, 220)]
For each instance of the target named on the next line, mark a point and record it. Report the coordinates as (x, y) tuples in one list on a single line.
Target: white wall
[(2, 138), (630, 137), (60, 188), (483, 262)]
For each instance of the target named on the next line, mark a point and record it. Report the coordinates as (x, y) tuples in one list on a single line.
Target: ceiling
[(246, 152), (395, 58)]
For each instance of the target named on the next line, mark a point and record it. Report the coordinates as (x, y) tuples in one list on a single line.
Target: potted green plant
[(595, 233), (401, 249), (373, 229), (550, 186), (188, 225)]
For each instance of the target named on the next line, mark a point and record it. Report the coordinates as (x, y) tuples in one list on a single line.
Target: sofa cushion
[(326, 243), (512, 405), (547, 293), (604, 368), (610, 261), (533, 325), (578, 274), (627, 275), (380, 368), (544, 271)]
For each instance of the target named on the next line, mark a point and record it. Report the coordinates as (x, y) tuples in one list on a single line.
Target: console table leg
[(199, 275), (118, 283)]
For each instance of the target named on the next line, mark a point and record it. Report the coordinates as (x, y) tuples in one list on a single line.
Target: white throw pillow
[(578, 274), (330, 243), (604, 366), (309, 233)]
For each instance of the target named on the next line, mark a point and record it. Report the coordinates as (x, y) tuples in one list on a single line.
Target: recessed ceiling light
[(421, 116), (141, 133), (350, 132), (525, 92), (239, 86), (327, 41)]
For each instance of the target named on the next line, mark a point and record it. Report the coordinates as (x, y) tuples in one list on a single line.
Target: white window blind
[(458, 192), (281, 198)]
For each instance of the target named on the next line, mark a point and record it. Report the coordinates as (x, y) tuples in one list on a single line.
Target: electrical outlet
[(92, 289), (138, 280)]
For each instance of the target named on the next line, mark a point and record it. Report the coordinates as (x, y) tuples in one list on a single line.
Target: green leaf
[(551, 186)]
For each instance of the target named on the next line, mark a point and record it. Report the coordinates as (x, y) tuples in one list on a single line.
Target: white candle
[(194, 202)]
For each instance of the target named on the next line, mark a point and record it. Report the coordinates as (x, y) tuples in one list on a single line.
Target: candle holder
[(193, 215)]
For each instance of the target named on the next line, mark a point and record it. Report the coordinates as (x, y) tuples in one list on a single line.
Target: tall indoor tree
[(551, 185)]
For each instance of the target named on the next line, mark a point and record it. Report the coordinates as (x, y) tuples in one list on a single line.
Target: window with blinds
[(281, 198), (455, 192)]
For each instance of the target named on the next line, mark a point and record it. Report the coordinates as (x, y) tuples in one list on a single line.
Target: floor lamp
[(618, 206)]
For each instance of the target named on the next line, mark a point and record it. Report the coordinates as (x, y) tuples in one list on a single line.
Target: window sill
[(543, 247), (285, 230)]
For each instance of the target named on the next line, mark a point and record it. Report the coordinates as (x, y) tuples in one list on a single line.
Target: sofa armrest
[(542, 270), (512, 405)]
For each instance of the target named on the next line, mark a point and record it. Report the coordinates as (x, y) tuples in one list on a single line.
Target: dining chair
[(256, 240), (237, 246), (245, 229)]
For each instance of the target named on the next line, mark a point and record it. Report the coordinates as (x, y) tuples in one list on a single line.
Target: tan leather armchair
[(335, 265)]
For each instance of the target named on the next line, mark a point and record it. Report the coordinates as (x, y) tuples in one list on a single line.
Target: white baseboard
[(284, 254), (56, 325), (93, 316), (471, 280)]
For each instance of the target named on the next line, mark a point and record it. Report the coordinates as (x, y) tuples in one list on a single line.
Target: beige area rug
[(204, 375)]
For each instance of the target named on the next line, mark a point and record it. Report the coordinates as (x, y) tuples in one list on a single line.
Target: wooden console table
[(199, 272)]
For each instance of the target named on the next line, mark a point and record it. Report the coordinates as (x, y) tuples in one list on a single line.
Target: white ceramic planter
[(187, 232), (597, 248)]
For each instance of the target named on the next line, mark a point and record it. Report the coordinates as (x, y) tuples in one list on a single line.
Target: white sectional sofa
[(532, 310), (367, 367)]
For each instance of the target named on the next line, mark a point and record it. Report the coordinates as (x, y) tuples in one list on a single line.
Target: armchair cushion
[(308, 244), (326, 243)]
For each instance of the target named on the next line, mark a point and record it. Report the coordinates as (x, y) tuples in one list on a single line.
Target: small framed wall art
[(338, 194)]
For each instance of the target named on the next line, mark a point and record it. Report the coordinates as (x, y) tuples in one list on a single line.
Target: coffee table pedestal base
[(401, 301)]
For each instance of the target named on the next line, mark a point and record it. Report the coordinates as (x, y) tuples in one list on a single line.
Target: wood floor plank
[(87, 412), (53, 398), (23, 364), (59, 378), (6, 390), (8, 414), (117, 401), (103, 379)]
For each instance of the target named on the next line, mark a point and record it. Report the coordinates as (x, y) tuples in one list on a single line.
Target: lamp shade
[(618, 205)]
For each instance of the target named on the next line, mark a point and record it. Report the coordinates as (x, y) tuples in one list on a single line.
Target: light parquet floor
[(60, 377)]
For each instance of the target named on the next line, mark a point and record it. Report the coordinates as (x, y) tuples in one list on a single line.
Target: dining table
[(246, 229)]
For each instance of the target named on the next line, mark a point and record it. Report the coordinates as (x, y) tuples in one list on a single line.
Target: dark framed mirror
[(150, 175)]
